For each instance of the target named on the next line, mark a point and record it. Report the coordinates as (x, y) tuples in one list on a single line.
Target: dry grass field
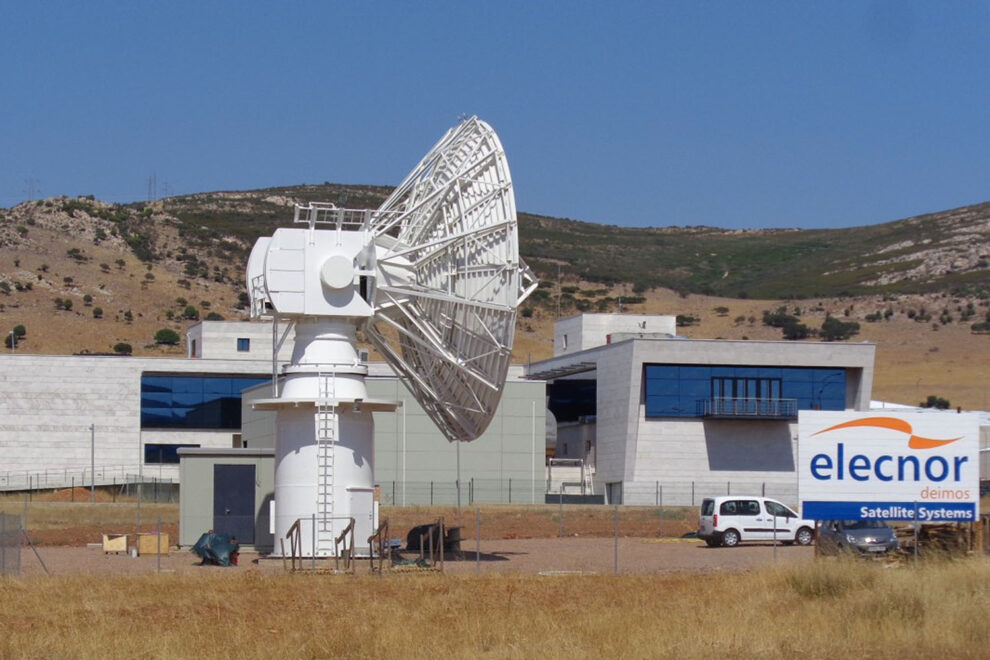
[(791, 606), (825, 609)]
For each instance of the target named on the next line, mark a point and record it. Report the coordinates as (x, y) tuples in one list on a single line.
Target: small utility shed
[(229, 491)]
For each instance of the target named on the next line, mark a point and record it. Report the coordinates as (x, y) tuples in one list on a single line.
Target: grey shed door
[(233, 501)]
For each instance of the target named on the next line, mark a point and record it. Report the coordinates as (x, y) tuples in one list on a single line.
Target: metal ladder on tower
[(326, 438)]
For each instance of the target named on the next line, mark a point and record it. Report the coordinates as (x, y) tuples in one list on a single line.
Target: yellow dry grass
[(105, 515), (820, 610)]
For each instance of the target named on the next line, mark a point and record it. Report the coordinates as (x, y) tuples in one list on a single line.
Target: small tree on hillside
[(835, 330), (167, 337), (122, 348), (936, 402)]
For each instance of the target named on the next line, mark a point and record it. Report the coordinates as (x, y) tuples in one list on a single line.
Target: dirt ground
[(547, 556), (509, 539)]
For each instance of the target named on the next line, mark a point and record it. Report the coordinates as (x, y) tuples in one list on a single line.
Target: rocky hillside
[(83, 276)]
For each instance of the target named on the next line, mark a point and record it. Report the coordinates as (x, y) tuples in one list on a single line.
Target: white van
[(732, 519)]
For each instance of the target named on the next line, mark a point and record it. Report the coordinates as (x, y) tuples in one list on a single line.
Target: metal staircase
[(326, 438)]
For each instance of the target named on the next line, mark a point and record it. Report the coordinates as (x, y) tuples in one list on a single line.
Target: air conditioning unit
[(363, 355)]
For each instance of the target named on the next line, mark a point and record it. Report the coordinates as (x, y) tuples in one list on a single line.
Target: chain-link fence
[(526, 491), (10, 544), (123, 488)]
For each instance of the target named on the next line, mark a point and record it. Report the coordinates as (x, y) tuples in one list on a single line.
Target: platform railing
[(750, 407)]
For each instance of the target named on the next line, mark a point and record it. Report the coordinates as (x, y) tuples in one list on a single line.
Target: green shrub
[(936, 402), (167, 337), (796, 330), (122, 348), (835, 330)]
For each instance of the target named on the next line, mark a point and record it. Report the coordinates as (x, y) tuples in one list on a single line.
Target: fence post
[(560, 515), (72, 490), (393, 492), (692, 493), (159, 544), (510, 490), (615, 541), (728, 488), (656, 496), (471, 491), (431, 493), (764, 491), (477, 540), (660, 502)]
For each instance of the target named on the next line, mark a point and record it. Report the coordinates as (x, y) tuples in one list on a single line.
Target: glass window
[(672, 390), (243, 344), (749, 508), (161, 453), (201, 402), (779, 510), (570, 400)]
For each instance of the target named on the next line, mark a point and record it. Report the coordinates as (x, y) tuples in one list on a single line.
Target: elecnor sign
[(889, 465)]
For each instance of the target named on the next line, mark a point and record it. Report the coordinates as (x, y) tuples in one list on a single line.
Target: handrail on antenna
[(341, 548), (379, 542)]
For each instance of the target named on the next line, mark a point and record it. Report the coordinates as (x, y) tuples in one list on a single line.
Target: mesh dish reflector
[(450, 279)]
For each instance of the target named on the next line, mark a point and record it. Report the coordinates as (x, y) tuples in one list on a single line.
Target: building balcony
[(749, 408)]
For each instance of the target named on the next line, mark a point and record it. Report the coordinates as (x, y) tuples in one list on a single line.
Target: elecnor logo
[(910, 465), (888, 467)]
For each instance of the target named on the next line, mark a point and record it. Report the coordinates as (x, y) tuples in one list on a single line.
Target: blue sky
[(740, 115)]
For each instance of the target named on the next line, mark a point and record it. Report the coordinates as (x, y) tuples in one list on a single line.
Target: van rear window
[(707, 507)]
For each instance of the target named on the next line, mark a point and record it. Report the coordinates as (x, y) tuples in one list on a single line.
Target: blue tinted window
[(243, 344), (683, 390), (200, 402), (155, 453)]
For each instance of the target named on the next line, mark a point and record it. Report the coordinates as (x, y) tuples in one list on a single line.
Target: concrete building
[(126, 415), (663, 419), (132, 417), (579, 333)]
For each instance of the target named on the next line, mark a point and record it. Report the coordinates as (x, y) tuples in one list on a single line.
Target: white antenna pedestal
[(324, 441)]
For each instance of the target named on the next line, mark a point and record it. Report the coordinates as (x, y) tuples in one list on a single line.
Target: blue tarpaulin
[(218, 549)]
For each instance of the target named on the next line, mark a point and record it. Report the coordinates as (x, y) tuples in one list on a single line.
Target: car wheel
[(730, 538), (805, 536)]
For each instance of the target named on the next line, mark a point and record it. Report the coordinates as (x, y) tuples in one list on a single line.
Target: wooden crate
[(147, 544), (115, 543)]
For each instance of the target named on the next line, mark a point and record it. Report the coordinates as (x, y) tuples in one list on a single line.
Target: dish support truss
[(450, 279)]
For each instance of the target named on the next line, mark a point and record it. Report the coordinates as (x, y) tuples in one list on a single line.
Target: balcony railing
[(748, 408)]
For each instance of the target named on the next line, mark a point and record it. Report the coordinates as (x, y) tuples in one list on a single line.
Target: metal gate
[(10, 544)]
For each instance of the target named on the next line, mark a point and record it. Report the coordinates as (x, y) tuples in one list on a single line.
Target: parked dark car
[(865, 537)]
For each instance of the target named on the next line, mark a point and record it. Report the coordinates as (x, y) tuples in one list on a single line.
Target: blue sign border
[(927, 511)]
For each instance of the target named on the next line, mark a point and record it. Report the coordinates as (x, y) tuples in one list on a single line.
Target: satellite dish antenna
[(434, 278)]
